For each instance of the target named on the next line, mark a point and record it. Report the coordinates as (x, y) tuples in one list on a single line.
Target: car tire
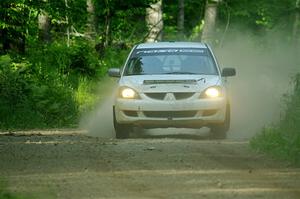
[(219, 131), (122, 130)]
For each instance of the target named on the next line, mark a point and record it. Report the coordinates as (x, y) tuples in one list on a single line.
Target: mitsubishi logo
[(169, 97)]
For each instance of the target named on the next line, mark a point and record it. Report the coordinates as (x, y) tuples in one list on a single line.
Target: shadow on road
[(176, 133)]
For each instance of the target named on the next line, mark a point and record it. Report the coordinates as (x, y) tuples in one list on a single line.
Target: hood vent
[(186, 81)]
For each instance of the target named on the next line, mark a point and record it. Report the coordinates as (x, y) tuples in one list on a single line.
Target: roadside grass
[(8, 195), (5, 194), (55, 109), (275, 142), (90, 93), (283, 139)]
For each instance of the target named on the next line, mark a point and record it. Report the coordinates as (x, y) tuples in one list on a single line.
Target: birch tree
[(210, 17), (67, 23), (108, 17), (91, 18), (154, 22), (44, 26), (296, 25)]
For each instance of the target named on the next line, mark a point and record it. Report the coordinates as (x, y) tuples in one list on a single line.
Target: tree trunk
[(91, 19), (44, 26), (154, 22), (180, 20), (107, 25), (68, 24), (5, 40), (107, 29), (210, 21), (296, 26)]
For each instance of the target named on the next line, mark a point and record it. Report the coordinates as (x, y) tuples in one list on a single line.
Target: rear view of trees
[(117, 21)]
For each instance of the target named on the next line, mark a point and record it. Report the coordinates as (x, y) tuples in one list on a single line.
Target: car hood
[(170, 83)]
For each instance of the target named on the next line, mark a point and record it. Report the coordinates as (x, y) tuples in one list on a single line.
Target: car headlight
[(212, 92), (128, 93)]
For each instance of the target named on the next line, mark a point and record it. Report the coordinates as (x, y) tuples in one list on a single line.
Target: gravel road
[(69, 164)]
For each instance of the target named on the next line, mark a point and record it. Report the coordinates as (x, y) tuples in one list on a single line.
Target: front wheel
[(122, 130), (219, 131)]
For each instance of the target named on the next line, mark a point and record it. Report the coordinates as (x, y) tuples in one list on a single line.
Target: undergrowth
[(5, 194), (283, 140), (53, 85)]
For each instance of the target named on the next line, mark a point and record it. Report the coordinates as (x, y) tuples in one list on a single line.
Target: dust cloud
[(99, 122), (264, 67)]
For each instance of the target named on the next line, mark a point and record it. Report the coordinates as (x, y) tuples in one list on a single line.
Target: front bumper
[(178, 113)]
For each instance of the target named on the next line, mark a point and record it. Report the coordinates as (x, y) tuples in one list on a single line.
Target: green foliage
[(85, 95), (5, 194), (258, 15), (283, 140), (80, 58), (54, 84), (194, 13), (115, 57), (125, 19), (35, 100)]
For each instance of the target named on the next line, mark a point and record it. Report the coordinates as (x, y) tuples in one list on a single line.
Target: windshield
[(170, 61)]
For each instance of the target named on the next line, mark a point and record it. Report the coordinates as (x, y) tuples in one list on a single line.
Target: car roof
[(172, 45)]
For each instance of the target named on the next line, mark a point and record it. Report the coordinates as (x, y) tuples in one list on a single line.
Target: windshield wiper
[(132, 74), (177, 72)]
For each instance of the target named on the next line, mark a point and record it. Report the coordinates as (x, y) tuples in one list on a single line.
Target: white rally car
[(171, 84)]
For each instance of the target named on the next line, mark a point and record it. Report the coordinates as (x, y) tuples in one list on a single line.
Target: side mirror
[(114, 72), (227, 72)]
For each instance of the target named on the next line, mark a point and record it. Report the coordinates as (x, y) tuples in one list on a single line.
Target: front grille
[(158, 96), (180, 96), (170, 114), (161, 96)]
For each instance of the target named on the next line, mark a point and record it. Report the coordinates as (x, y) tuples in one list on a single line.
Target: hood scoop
[(185, 81)]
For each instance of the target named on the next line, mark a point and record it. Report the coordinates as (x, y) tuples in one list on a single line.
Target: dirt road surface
[(70, 164)]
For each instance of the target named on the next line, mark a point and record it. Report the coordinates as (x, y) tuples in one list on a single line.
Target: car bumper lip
[(141, 107)]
